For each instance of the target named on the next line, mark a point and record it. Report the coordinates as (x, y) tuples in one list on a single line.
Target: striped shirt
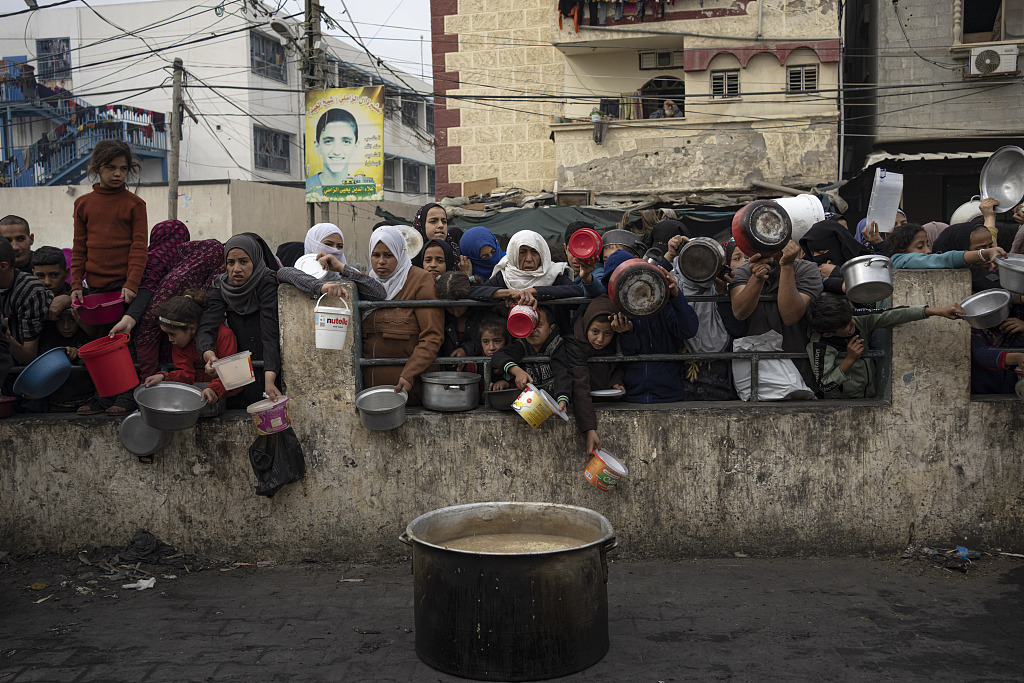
[(25, 304)]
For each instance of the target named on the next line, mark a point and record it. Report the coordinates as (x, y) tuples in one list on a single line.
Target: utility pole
[(315, 68), (172, 173)]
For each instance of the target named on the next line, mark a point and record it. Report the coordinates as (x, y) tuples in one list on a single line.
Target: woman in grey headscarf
[(246, 295)]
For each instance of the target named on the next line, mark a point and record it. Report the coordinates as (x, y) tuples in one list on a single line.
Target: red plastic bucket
[(100, 309), (110, 365), (584, 244), (521, 321)]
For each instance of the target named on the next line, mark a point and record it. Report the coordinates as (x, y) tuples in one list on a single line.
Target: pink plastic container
[(522, 320), (100, 309), (270, 416)]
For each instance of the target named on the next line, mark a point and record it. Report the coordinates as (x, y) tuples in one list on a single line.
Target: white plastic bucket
[(331, 325), (235, 371), (804, 210)]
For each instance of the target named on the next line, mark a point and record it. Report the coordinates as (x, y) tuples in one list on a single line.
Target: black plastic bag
[(276, 460)]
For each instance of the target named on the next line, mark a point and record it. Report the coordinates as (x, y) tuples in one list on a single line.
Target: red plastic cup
[(522, 320), (585, 244)]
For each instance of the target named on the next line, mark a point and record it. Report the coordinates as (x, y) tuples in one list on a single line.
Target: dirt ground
[(742, 619)]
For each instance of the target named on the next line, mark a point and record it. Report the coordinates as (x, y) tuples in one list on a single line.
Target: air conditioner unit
[(992, 61)]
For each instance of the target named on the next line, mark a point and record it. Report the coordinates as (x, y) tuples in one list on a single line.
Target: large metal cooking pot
[(868, 278), (986, 309), (450, 391), (761, 227), (1011, 272), (381, 408), (638, 288), (701, 259), (510, 616), (170, 406), (1002, 177)]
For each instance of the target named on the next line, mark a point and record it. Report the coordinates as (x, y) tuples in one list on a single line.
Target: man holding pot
[(795, 282)]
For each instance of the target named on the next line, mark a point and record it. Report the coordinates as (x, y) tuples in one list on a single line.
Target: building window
[(268, 58), (430, 181), (802, 78), (654, 93), (430, 118), (987, 21), (725, 84), (411, 178), (672, 59), (392, 105), (389, 174), (273, 150), (410, 112), (53, 57)]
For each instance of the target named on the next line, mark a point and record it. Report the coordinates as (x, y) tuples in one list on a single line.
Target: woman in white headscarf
[(415, 333), (325, 241), (526, 274)]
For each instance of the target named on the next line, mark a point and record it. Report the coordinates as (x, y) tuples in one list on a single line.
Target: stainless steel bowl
[(380, 408), (503, 398), (139, 438), (170, 406), (1011, 272), (450, 391), (986, 309), (1002, 177)]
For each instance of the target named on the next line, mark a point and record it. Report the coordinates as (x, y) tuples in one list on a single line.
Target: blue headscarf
[(470, 245), (613, 262)]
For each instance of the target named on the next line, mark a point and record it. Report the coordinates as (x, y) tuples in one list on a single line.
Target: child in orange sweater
[(111, 238), (179, 320)]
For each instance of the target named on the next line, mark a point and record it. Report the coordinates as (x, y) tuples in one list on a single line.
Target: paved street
[(724, 619)]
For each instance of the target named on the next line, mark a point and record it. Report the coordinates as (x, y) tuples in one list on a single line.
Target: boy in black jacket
[(553, 376)]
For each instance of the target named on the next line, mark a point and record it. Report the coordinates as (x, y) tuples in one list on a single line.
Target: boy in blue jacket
[(666, 332)]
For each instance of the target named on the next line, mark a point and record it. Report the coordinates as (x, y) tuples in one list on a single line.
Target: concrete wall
[(211, 211), (809, 478)]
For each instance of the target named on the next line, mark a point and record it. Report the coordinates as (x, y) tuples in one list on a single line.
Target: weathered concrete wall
[(705, 479), (210, 210)]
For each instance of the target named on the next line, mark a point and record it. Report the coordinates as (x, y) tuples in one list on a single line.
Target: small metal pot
[(701, 259), (450, 392), (868, 278), (503, 398), (380, 408), (1011, 273), (761, 227), (638, 288), (170, 406), (986, 309)]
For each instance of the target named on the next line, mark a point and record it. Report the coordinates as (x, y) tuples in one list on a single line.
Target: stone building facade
[(756, 83)]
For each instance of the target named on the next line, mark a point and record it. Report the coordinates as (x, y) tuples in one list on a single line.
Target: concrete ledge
[(706, 479)]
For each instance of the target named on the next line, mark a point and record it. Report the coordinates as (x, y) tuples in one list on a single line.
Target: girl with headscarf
[(326, 241), (431, 222), (413, 333), (959, 246), (436, 257), (933, 230), (482, 249), (829, 245), (246, 295)]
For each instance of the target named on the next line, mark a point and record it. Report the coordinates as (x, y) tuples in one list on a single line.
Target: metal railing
[(755, 357)]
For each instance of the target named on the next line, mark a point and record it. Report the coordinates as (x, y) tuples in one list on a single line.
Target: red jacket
[(186, 360)]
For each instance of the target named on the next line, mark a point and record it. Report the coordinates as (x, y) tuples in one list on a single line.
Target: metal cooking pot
[(380, 408), (1011, 272), (1002, 177), (701, 259), (623, 238), (761, 227), (638, 288), (450, 391), (967, 211), (170, 406), (986, 309), (510, 616), (868, 278)]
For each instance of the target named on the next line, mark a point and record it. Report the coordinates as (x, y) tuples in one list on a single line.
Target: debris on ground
[(953, 559), (141, 584)]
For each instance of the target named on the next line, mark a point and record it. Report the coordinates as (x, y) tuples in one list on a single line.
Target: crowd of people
[(190, 303)]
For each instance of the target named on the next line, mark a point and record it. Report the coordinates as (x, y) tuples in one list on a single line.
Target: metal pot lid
[(450, 377), (1002, 177), (381, 399), (139, 438), (701, 259)]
